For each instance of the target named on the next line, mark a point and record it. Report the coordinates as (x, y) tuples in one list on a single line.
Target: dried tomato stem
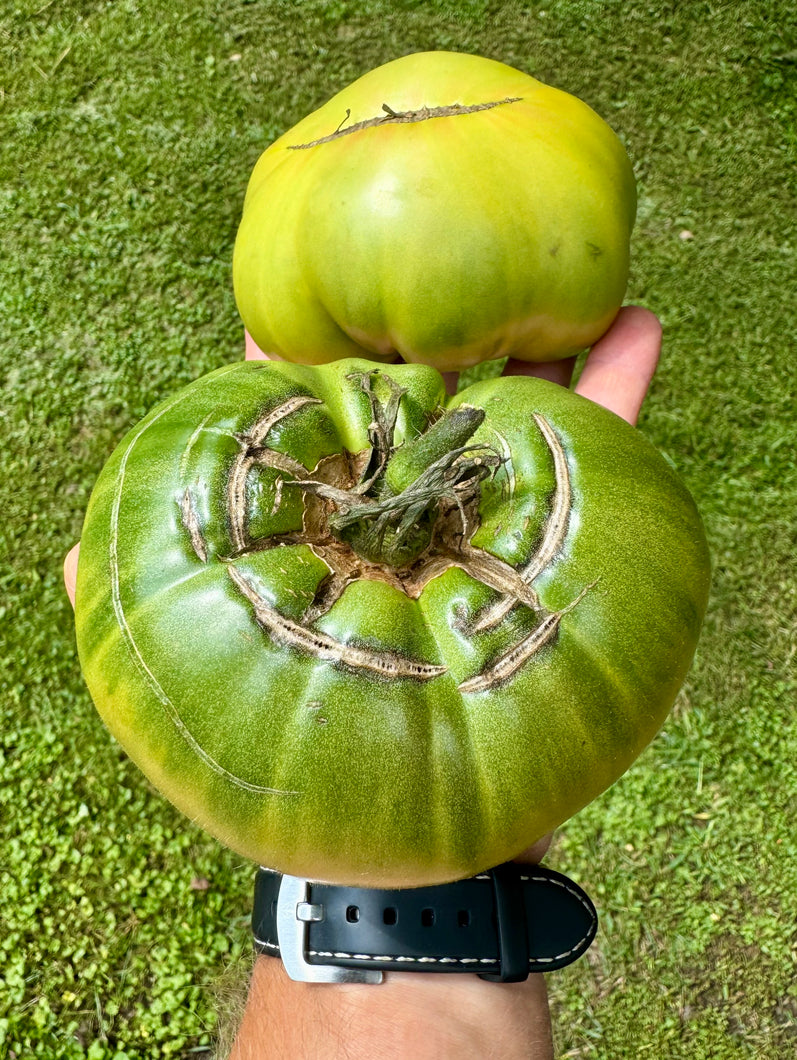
[(389, 517)]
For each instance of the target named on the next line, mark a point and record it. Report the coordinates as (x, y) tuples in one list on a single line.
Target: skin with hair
[(424, 1015)]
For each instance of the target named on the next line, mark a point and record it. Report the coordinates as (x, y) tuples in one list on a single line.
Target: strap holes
[(353, 914), (389, 915), (463, 918), (427, 917)]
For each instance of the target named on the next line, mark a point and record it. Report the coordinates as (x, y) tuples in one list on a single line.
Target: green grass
[(128, 131)]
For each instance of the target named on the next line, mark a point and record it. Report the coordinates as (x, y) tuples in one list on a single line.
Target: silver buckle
[(294, 913)]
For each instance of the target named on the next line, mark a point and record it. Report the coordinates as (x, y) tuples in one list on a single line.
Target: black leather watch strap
[(501, 925)]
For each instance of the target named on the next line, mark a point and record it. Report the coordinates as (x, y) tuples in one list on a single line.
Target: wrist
[(410, 1014)]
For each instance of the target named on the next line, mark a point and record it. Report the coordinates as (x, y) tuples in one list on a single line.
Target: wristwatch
[(502, 925)]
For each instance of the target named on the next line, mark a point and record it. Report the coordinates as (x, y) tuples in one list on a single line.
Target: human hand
[(616, 374), (427, 1015)]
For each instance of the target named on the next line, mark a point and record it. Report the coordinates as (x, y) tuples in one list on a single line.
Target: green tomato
[(366, 633), (444, 208)]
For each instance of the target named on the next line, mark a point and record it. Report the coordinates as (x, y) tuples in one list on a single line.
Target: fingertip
[(535, 853), (253, 351), (621, 364), (70, 572), (635, 331), (640, 316)]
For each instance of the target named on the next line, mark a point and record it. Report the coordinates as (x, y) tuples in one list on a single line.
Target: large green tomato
[(364, 633), (444, 208)]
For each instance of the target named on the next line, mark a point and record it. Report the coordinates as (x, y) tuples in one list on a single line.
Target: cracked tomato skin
[(447, 241), (289, 750)]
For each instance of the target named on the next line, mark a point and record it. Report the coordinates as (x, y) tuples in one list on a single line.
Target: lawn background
[(127, 132)]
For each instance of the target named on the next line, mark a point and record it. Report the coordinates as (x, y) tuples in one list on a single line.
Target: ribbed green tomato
[(362, 639), (445, 208)]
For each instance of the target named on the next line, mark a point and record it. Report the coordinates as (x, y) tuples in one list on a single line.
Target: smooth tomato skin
[(446, 241), (326, 771)]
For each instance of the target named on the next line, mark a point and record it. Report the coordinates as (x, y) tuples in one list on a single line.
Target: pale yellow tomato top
[(445, 209)]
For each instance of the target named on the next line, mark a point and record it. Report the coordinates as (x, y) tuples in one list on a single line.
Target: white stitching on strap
[(576, 894), (267, 944), (402, 960)]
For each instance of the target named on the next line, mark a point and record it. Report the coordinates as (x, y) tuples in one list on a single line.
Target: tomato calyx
[(402, 513), (390, 516)]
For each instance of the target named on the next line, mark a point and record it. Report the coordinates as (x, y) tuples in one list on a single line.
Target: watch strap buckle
[(294, 914)]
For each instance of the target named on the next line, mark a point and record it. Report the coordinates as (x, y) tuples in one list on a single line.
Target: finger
[(70, 572), (620, 366), (560, 372), (451, 380), (537, 852), (253, 351)]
